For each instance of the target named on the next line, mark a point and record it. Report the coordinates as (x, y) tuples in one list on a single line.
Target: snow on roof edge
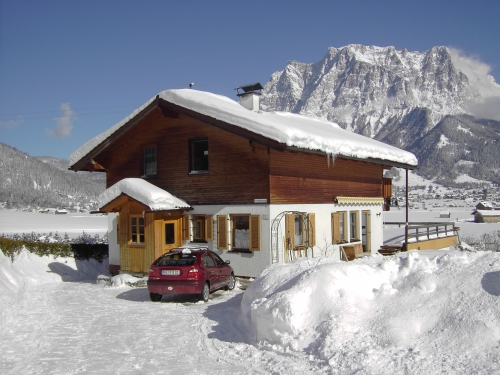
[(150, 195)]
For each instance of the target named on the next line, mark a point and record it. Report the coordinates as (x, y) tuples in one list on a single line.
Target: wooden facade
[(239, 170), (137, 256)]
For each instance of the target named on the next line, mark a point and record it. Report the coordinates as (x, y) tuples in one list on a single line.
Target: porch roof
[(360, 200), (144, 192)]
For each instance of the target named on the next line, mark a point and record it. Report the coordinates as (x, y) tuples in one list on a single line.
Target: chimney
[(250, 96)]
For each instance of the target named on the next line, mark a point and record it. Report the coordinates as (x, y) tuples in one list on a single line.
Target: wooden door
[(171, 234)]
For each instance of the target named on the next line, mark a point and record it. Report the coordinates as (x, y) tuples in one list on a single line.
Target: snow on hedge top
[(291, 129), (144, 192)]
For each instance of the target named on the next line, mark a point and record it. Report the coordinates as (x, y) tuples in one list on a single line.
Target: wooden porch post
[(407, 206)]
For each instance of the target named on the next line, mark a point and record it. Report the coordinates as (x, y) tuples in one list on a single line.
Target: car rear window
[(177, 260)]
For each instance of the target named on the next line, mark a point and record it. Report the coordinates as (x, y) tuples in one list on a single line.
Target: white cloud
[(8, 124), (64, 123), (487, 108), (488, 103)]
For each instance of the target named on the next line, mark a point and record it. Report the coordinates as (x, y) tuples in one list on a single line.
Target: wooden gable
[(117, 204), (243, 166), (238, 168)]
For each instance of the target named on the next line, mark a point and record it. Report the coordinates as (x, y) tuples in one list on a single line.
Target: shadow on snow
[(491, 283)]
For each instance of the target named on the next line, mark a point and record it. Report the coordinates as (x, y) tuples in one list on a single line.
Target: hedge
[(11, 247), (82, 248)]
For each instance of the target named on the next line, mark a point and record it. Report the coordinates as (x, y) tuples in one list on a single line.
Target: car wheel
[(155, 297), (205, 293), (230, 283)]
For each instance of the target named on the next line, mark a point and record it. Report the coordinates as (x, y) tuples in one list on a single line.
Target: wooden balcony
[(425, 236)]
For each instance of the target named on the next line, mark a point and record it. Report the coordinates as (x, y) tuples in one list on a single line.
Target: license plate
[(170, 272)]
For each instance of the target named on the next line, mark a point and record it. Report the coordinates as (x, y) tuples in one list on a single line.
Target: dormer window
[(149, 161), (198, 156)]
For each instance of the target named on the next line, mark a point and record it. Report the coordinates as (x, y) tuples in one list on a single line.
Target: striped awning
[(360, 200)]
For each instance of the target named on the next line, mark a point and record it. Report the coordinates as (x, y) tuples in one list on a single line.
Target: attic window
[(149, 161), (198, 156)]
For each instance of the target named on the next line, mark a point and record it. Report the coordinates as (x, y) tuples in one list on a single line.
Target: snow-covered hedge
[(83, 247)]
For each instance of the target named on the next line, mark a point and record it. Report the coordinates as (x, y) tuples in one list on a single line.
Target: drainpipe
[(407, 207)]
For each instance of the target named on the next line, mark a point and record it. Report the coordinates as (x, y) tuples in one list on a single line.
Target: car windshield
[(177, 259)]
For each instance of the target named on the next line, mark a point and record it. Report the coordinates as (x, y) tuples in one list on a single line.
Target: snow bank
[(383, 314), (30, 270)]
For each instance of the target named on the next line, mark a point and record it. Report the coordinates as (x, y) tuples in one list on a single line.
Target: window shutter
[(311, 231), (186, 232), (209, 228), (335, 227), (368, 231), (290, 231), (254, 232), (123, 229), (354, 224), (222, 232)]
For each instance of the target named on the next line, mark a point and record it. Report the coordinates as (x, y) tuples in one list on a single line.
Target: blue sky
[(69, 70)]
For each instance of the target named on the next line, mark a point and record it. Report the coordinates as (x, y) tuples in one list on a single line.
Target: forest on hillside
[(27, 182)]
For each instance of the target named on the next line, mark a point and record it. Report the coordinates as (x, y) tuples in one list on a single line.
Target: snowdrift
[(30, 270), (382, 315)]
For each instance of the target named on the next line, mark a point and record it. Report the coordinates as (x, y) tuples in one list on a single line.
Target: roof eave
[(87, 159), (167, 107), (385, 162)]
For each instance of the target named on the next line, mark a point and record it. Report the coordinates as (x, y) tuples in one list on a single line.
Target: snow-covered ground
[(433, 312), (12, 222)]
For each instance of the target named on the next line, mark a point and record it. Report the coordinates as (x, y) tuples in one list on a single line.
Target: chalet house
[(256, 187), (484, 206)]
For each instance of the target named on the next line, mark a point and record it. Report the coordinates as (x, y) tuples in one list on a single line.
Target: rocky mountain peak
[(395, 96)]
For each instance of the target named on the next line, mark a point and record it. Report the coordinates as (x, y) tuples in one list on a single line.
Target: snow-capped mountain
[(398, 97)]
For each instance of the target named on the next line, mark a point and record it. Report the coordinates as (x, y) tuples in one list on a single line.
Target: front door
[(172, 236)]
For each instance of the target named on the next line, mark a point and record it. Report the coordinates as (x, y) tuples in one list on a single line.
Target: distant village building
[(486, 216), (445, 214), (484, 206)]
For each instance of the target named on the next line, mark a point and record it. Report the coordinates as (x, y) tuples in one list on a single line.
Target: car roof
[(189, 249)]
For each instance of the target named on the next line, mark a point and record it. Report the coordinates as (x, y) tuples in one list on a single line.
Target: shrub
[(11, 247), (83, 247)]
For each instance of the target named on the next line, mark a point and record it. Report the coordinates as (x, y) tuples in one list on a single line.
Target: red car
[(189, 271)]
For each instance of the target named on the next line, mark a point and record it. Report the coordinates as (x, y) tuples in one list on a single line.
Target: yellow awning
[(360, 200)]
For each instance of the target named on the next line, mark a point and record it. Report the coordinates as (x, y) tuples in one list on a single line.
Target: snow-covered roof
[(488, 212), (485, 204), (150, 195), (286, 128)]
